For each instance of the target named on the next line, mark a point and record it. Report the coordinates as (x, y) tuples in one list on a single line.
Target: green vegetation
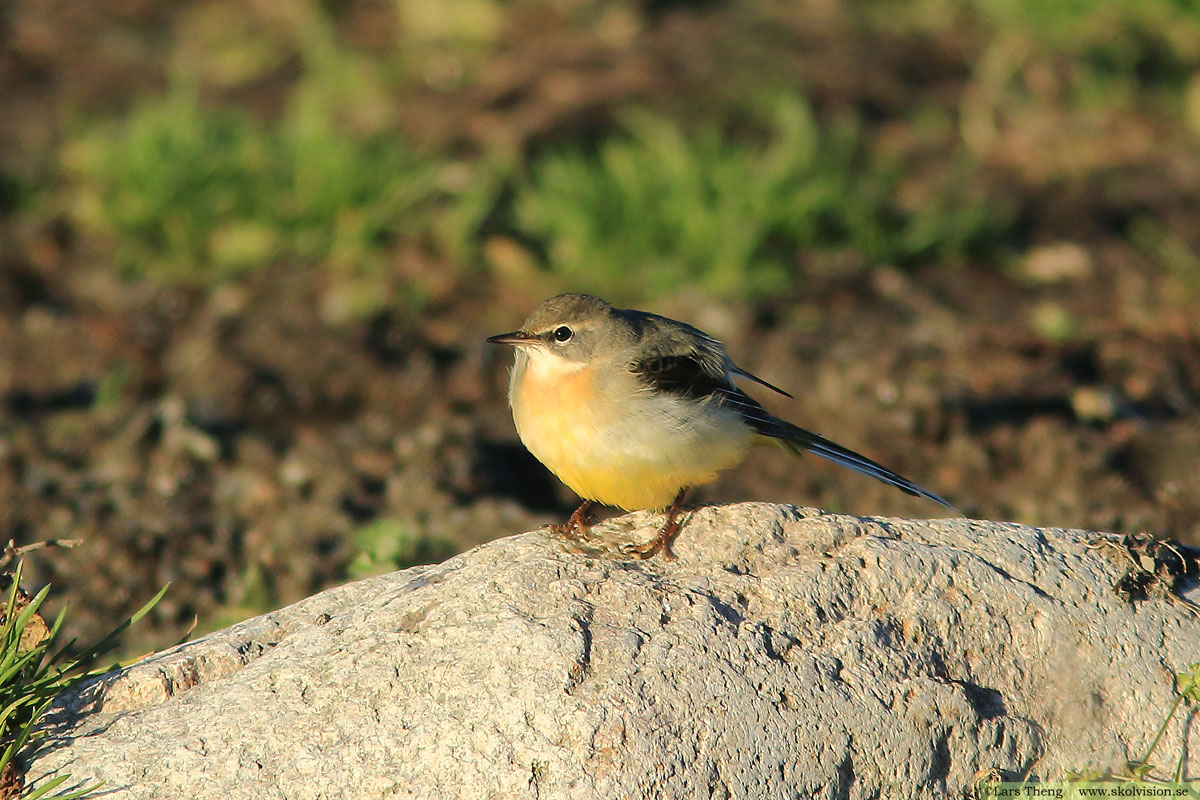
[(662, 207), (192, 194), (32, 675), (187, 194), (390, 544), (738, 203), (1187, 690), (1143, 771), (252, 594), (384, 545)]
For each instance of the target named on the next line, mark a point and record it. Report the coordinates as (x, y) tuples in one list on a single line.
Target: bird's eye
[(562, 333)]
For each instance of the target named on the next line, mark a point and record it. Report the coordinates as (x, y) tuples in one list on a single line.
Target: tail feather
[(794, 438), (799, 441)]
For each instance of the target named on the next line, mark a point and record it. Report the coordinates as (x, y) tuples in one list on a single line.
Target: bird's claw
[(577, 526), (666, 535)]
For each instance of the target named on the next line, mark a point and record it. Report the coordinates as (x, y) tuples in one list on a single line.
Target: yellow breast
[(615, 444)]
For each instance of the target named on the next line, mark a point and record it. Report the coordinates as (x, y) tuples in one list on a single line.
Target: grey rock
[(784, 653)]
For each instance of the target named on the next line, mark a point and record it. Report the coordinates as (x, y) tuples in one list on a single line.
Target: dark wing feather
[(742, 373), (682, 360), (682, 375)]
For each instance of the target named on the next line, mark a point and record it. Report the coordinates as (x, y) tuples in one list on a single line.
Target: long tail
[(794, 438), (799, 440)]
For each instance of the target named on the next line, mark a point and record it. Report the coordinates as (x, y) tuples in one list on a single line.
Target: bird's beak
[(517, 338)]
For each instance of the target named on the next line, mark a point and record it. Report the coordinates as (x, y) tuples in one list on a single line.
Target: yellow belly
[(617, 446)]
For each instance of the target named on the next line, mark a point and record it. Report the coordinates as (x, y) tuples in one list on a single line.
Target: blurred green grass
[(740, 200), (187, 194), (392, 543), (190, 194), (657, 207)]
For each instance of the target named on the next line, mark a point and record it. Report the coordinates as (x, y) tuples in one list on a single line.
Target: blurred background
[(249, 252)]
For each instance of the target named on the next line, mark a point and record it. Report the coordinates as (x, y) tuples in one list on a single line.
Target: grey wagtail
[(630, 409)]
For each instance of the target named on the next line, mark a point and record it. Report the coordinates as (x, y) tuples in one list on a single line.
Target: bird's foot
[(666, 535), (577, 526), (661, 542)]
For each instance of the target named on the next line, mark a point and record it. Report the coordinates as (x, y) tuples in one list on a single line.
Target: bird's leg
[(577, 525), (666, 534)]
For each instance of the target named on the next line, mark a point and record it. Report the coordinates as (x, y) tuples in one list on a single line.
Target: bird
[(631, 409)]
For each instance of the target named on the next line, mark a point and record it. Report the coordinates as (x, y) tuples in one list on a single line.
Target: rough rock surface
[(784, 653)]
